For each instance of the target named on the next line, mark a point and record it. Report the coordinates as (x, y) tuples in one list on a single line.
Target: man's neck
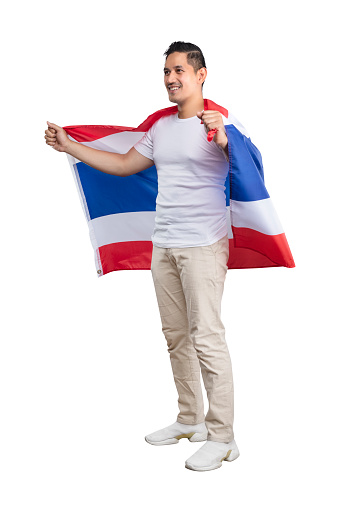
[(191, 107)]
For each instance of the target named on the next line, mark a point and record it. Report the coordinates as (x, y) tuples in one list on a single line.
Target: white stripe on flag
[(258, 215), (127, 227), (232, 120), (123, 227)]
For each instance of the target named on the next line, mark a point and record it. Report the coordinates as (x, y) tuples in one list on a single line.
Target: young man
[(190, 251)]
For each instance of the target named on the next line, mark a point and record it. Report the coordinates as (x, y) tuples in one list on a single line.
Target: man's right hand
[(56, 137)]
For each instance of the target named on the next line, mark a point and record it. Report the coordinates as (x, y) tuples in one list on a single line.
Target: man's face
[(180, 79)]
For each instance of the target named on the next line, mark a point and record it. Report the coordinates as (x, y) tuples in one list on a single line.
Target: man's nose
[(170, 78)]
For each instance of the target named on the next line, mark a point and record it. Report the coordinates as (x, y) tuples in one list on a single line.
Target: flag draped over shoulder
[(121, 210)]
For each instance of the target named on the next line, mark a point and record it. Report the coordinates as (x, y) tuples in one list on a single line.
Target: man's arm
[(107, 162), (112, 163)]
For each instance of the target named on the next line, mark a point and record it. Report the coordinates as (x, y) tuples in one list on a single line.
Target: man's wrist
[(224, 143), (224, 148), (69, 146)]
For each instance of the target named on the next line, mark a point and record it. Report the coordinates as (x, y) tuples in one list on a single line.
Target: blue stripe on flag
[(108, 194), (247, 184)]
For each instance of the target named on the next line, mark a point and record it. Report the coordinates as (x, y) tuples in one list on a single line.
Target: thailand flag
[(121, 210)]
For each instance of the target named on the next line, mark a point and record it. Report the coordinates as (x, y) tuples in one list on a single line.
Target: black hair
[(194, 54)]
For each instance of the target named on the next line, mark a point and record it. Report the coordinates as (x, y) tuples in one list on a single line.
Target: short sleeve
[(145, 145)]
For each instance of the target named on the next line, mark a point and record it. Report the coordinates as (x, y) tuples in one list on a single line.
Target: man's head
[(184, 72)]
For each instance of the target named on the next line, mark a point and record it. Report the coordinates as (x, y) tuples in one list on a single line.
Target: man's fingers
[(209, 115), (212, 119), (211, 125), (53, 127), (50, 133), (50, 138), (210, 112), (214, 125)]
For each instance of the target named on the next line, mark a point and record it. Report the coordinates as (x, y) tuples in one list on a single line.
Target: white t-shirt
[(191, 202)]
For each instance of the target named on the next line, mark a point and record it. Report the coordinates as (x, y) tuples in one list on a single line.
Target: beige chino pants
[(189, 284)]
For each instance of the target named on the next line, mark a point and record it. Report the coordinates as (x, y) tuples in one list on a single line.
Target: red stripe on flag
[(267, 251), (126, 256), (273, 247)]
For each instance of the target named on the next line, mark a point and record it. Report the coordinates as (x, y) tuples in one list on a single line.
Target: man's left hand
[(213, 120)]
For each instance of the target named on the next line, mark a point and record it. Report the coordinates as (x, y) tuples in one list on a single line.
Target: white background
[(85, 372)]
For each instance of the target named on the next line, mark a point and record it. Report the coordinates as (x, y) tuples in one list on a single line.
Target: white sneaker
[(211, 455), (176, 431)]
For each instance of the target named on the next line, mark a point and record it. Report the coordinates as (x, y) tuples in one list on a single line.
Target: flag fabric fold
[(120, 211)]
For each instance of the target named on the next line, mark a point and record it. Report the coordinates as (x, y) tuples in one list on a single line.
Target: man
[(190, 251)]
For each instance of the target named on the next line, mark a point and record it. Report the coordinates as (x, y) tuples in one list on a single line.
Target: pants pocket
[(220, 245)]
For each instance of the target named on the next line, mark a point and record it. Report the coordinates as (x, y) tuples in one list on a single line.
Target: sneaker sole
[(231, 455), (193, 437)]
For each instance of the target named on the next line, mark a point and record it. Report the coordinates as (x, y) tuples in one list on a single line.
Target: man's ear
[(202, 73)]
